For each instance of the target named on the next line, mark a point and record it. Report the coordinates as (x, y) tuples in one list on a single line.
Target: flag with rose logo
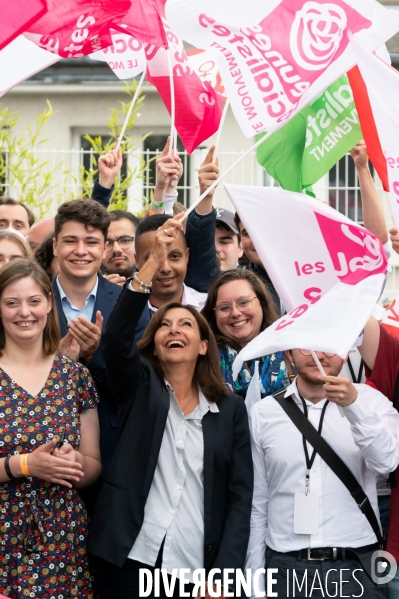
[(276, 57), (327, 270)]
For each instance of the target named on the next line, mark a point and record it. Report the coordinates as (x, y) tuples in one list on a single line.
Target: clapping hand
[(86, 333)]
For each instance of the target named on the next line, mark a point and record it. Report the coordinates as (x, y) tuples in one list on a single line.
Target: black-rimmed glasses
[(124, 242)]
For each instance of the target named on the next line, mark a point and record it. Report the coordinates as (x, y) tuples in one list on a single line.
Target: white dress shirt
[(175, 506), (366, 440)]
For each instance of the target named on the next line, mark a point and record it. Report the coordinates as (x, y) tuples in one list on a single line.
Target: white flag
[(20, 60), (382, 82), (276, 56), (328, 270), (126, 56)]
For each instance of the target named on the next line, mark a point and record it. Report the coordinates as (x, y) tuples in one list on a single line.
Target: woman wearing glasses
[(238, 308)]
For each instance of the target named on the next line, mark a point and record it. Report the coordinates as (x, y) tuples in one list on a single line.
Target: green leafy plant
[(129, 145), (23, 173), (42, 184)]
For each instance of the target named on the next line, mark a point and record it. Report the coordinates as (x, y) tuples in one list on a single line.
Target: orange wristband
[(87, 358), (23, 462)]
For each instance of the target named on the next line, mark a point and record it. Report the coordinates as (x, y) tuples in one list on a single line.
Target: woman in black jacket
[(179, 491)]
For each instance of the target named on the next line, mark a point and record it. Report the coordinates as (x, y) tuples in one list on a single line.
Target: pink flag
[(198, 106), (205, 65), (20, 60), (74, 28), (382, 91), (327, 270), (16, 17), (126, 56), (390, 320), (276, 57), (143, 21)]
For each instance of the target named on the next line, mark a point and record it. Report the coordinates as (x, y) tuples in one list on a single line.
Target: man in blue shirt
[(85, 299)]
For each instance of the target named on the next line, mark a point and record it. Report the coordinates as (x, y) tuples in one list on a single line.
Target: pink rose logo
[(316, 34)]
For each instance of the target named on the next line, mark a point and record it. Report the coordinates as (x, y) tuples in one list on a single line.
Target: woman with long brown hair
[(49, 445), (178, 494), (238, 308)]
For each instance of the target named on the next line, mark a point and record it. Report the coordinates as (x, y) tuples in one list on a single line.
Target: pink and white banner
[(382, 83), (205, 65), (198, 106), (327, 270), (20, 60), (275, 57), (74, 28), (390, 319), (126, 56), (16, 17)]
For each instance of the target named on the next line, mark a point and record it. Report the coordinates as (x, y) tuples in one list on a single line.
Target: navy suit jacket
[(143, 403), (107, 294)]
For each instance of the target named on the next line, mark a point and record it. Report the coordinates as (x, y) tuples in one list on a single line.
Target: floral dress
[(43, 526)]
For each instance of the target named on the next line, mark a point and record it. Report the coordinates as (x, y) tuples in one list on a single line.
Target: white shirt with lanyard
[(367, 441)]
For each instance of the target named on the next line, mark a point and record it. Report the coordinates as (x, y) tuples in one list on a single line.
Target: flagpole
[(321, 369), (172, 103), (223, 175), (219, 133), (129, 112)]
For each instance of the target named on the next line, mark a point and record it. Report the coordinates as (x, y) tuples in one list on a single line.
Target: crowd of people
[(126, 444)]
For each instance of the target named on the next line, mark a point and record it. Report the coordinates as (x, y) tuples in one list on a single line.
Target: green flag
[(315, 139)]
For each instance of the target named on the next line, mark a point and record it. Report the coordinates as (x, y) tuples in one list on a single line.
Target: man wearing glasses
[(303, 517), (118, 264)]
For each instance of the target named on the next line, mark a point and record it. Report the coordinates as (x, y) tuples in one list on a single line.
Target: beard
[(311, 375), (122, 271)]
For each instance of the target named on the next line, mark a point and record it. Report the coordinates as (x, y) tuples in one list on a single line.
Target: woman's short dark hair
[(269, 309), (208, 374), (45, 254), (21, 268), (88, 212)]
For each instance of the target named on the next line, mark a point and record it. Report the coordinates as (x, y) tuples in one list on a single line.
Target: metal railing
[(339, 188)]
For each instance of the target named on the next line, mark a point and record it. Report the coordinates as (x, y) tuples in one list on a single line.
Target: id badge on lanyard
[(307, 504)]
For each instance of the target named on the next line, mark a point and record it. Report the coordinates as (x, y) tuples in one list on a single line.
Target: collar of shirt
[(203, 407), (67, 302), (190, 297), (293, 390)]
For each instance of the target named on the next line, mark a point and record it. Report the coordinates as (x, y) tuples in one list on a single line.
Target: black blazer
[(107, 294), (143, 403)]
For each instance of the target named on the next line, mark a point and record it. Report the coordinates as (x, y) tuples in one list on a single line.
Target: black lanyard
[(359, 376), (309, 462)]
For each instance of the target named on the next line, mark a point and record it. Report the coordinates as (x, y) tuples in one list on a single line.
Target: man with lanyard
[(303, 516)]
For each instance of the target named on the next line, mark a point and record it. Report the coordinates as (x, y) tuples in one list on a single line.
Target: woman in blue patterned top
[(238, 308)]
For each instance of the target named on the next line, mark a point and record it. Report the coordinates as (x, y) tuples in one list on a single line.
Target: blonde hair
[(18, 240)]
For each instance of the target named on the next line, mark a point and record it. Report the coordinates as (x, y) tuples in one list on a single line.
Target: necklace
[(186, 404)]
